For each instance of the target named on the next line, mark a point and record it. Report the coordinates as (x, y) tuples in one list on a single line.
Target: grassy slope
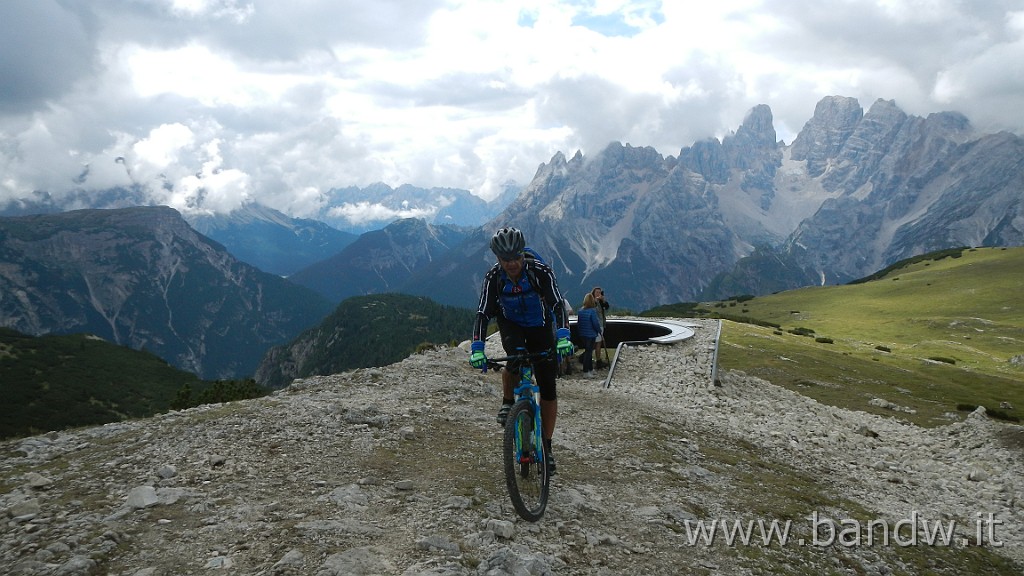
[(967, 309), (53, 382), (64, 381)]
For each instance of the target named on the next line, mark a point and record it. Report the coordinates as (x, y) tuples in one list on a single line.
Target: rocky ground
[(397, 470)]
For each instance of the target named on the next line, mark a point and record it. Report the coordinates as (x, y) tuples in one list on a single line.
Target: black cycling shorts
[(533, 339)]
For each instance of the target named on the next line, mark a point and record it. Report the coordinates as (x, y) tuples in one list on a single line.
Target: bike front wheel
[(526, 472)]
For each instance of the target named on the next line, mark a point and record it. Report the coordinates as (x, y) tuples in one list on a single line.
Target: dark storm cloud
[(269, 30), (45, 49)]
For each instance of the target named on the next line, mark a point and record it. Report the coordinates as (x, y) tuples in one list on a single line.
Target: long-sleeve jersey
[(526, 302)]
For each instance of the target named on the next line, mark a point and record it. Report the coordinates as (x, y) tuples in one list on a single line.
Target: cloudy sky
[(213, 103)]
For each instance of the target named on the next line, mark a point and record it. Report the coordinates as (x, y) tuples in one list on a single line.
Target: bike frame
[(527, 389)]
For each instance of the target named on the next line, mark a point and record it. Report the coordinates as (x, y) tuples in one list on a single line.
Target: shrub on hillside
[(748, 320), (220, 391)]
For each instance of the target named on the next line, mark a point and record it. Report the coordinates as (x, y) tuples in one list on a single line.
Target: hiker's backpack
[(531, 253)]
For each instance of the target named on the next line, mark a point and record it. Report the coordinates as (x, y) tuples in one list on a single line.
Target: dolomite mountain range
[(745, 214)]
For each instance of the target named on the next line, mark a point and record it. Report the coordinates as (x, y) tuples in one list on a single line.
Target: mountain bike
[(525, 462)]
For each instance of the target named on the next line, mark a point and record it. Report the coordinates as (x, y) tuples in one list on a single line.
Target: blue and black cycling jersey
[(520, 303), (525, 302)]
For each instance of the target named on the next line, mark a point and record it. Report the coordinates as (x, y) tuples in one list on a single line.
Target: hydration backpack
[(531, 253)]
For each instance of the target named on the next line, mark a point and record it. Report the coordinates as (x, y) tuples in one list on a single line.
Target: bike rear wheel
[(526, 472)]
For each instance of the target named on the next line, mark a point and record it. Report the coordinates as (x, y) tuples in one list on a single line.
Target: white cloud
[(161, 150), (211, 103), (361, 213)]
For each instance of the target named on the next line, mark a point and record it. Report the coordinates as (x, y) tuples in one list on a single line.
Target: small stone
[(458, 502), (142, 497), (24, 509), (77, 565), (648, 511), (863, 430), (220, 562), (37, 481), (501, 528), (166, 471), (437, 542), (977, 475), (293, 559)]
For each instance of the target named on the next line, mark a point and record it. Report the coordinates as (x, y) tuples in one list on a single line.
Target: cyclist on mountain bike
[(519, 292)]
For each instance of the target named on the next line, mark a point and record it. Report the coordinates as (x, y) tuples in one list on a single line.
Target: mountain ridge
[(141, 277), (379, 261)]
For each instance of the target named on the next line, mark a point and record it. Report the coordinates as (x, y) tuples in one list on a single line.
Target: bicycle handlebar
[(529, 356), (496, 362)]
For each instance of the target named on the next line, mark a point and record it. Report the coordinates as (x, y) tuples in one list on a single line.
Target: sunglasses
[(513, 259)]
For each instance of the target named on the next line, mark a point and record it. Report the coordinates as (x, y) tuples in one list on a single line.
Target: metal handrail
[(615, 359), (714, 357)]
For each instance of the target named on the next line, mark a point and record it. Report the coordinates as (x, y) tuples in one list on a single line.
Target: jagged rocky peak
[(546, 183), (864, 150), (822, 137), (758, 127), (708, 159), (557, 161), (878, 127), (559, 183), (629, 156), (753, 146), (953, 125), (883, 113), (614, 176)]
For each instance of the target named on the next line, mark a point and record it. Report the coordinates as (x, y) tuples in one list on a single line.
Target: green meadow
[(932, 336)]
